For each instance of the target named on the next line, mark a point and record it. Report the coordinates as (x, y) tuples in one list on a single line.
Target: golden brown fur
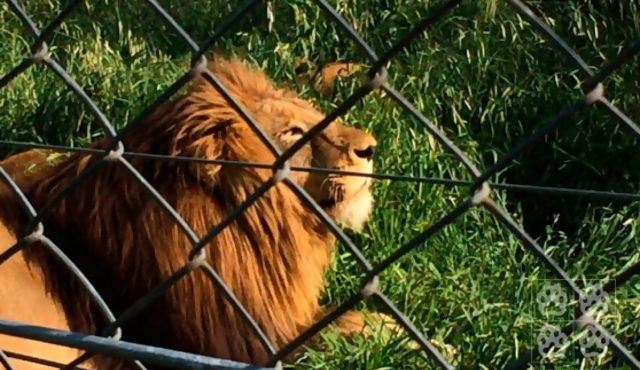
[(272, 257)]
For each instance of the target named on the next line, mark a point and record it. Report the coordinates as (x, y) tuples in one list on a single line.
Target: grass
[(481, 74)]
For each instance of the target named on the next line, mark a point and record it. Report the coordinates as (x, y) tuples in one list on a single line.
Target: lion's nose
[(365, 153)]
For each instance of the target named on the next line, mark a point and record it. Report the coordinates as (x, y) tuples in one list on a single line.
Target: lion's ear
[(207, 146)]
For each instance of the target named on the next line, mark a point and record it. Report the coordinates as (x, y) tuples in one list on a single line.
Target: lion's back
[(23, 295)]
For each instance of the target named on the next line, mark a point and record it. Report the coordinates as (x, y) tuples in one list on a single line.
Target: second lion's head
[(271, 256)]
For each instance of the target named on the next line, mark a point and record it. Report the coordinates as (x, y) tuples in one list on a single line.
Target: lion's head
[(272, 256), (286, 118)]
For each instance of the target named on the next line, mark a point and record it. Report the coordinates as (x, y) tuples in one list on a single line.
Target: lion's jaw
[(353, 212)]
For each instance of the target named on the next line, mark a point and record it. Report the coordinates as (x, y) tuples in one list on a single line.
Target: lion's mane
[(271, 257)]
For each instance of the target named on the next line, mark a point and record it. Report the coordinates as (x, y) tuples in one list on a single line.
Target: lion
[(272, 257)]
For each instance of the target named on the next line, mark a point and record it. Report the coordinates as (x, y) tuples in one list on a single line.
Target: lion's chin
[(354, 210)]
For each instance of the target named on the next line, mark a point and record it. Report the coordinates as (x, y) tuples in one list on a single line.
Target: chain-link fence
[(108, 342)]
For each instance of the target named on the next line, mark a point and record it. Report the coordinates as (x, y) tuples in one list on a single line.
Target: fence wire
[(108, 342)]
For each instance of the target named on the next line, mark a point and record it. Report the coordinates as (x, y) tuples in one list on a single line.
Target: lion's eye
[(294, 130)]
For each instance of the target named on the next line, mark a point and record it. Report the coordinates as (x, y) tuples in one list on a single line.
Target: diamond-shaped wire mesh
[(108, 341)]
